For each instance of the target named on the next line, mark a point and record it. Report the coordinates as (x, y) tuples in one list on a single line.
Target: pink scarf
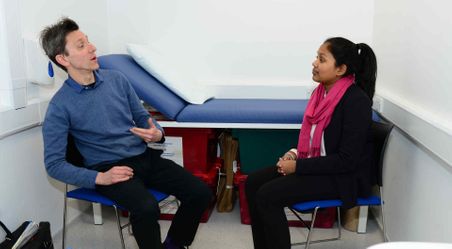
[(319, 111)]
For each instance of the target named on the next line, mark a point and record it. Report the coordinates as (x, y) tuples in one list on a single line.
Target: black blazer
[(348, 145)]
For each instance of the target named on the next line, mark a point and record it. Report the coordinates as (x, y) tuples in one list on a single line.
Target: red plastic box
[(199, 147), (239, 180)]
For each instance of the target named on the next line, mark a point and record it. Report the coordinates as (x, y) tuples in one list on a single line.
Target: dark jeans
[(152, 171), (268, 193)]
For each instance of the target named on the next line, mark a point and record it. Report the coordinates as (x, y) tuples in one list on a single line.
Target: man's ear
[(340, 70), (62, 60)]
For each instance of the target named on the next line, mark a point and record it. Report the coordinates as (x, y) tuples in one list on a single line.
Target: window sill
[(14, 121), (4, 108)]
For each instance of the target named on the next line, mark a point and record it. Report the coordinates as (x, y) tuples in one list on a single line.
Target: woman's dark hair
[(359, 59), (53, 38)]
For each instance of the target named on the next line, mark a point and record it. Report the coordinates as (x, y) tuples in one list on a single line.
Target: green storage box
[(260, 148)]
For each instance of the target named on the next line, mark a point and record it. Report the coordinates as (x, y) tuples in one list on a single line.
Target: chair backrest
[(380, 133), (73, 155)]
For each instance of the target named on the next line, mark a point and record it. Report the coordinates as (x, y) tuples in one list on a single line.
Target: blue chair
[(91, 195), (380, 133)]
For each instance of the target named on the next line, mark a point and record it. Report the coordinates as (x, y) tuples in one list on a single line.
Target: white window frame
[(6, 93)]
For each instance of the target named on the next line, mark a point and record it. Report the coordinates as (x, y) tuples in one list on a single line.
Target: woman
[(333, 156)]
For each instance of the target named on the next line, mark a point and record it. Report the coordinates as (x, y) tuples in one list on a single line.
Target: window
[(6, 93)]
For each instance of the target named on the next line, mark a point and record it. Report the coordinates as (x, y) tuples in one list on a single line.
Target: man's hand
[(148, 135), (114, 175)]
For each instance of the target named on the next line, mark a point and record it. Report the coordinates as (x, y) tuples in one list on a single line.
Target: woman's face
[(324, 68)]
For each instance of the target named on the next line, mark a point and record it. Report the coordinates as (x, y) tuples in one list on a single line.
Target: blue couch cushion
[(245, 111), (146, 86)]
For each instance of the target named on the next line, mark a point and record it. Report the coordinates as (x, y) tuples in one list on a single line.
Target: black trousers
[(152, 171), (268, 193)]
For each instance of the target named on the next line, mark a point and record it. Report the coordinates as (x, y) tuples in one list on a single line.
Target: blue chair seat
[(92, 195), (310, 205), (369, 201)]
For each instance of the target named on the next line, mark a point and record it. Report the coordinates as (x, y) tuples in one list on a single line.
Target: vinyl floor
[(222, 231)]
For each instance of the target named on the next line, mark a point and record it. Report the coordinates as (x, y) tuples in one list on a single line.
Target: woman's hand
[(153, 134), (290, 155), (286, 167)]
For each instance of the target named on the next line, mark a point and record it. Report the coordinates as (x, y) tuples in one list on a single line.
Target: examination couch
[(226, 113)]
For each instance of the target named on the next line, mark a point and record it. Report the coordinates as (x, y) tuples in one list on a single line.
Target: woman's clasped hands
[(287, 164)]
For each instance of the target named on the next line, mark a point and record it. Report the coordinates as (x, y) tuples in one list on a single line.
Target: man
[(111, 130)]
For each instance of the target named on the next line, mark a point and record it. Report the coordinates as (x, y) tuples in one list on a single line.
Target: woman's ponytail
[(366, 73), (359, 59)]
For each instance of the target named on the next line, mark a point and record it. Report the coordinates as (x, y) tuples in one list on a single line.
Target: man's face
[(80, 54)]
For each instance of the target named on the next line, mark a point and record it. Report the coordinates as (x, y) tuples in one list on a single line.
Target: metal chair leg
[(339, 225), (385, 238), (129, 227), (63, 241), (311, 228), (118, 221)]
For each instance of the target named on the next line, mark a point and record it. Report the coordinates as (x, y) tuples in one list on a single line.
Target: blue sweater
[(99, 119)]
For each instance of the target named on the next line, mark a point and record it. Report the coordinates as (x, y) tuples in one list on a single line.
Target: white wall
[(415, 63), (27, 193), (413, 42), (417, 192), (255, 41), (128, 22), (24, 196), (90, 15), (414, 85)]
